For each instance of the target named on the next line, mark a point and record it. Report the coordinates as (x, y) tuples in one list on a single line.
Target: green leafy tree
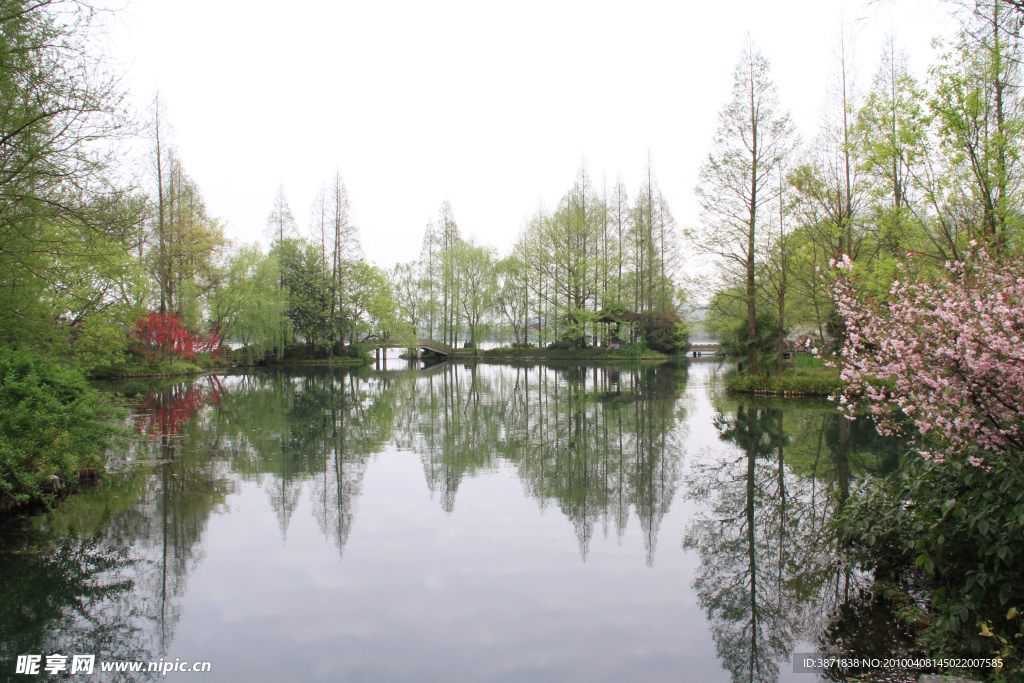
[(66, 228), (654, 253), (663, 332), (248, 305), (447, 236), (894, 132), (372, 303), (281, 221), (187, 244), (511, 298), (429, 279), (309, 291), (575, 238), (737, 183), (476, 273), (979, 125), (406, 283), (346, 253)]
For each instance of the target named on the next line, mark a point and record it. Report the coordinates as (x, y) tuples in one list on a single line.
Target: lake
[(491, 522)]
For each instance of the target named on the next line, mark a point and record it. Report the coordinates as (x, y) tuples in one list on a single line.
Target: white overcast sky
[(488, 105)]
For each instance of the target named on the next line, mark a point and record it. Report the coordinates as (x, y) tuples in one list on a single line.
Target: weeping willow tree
[(248, 305)]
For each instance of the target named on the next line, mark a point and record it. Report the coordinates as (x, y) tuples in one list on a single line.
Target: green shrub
[(961, 527), (735, 342), (356, 351), (663, 334), (630, 351), (502, 351), (175, 368), (806, 360), (209, 361), (99, 345), (53, 424), (306, 352)]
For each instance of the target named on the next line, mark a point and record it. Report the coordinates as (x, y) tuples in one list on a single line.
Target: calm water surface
[(544, 522)]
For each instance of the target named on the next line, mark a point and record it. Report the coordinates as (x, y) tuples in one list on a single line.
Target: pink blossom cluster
[(948, 352)]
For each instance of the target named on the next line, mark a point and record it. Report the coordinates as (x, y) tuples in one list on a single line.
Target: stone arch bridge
[(430, 346)]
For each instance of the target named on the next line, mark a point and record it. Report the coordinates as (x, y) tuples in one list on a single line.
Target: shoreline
[(815, 382), (12, 508), (207, 369)]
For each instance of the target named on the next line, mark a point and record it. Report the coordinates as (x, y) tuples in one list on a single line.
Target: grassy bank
[(294, 355), (814, 381), (141, 370), (325, 361), (632, 352), (302, 354), (131, 367)]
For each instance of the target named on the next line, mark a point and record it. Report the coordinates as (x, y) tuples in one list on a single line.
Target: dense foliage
[(737, 341), (66, 226), (905, 173), (915, 187), (663, 333), (53, 425), (957, 531), (942, 355)]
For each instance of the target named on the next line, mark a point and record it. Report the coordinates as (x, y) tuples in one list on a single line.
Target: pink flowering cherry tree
[(945, 352)]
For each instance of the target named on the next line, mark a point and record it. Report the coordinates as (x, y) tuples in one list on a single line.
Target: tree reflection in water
[(165, 412), (66, 599), (105, 572), (596, 441), (765, 581), (601, 444), (320, 428)]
